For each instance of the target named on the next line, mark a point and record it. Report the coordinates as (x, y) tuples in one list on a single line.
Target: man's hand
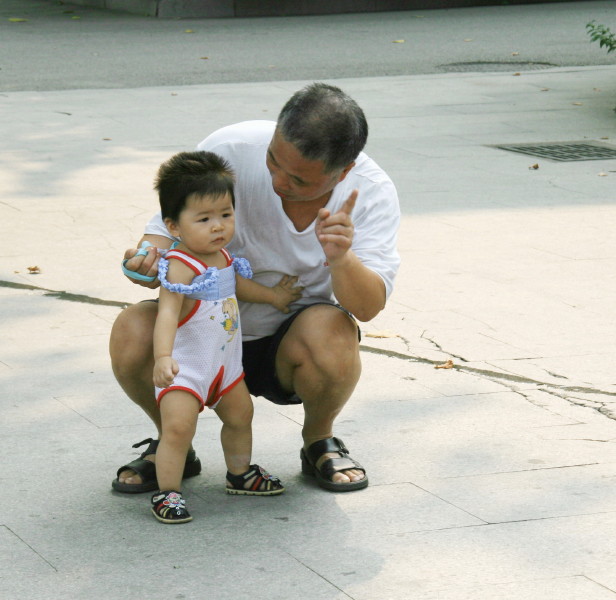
[(335, 232), (165, 370), (285, 293), (144, 265)]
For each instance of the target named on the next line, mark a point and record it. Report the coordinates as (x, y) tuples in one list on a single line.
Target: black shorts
[(259, 361)]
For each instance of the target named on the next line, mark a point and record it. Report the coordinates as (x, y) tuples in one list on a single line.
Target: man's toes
[(129, 477)]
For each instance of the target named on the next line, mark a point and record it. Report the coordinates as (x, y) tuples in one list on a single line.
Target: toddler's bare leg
[(179, 411), (235, 410)]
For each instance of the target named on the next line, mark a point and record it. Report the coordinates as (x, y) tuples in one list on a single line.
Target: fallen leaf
[(535, 166), (33, 270), (17, 20), (106, 139), (517, 74), (174, 93), (577, 104), (545, 90), (382, 334), (205, 57), (397, 42), (602, 174), (189, 31), (468, 40), (605, 137), (445, 365), (515, 54)]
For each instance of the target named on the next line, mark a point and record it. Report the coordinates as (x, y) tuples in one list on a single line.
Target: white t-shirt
[(267, 238)]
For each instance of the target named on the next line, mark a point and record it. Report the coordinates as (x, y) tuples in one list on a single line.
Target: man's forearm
[(357, 288)]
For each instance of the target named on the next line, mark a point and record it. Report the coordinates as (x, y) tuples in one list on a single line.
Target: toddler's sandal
[(170, 507), (254, 482)]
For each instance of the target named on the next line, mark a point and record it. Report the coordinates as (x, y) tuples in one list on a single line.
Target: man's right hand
[(145, 265)]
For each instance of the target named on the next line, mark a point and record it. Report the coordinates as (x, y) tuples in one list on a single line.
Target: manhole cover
[(485, 66), (564, 151)]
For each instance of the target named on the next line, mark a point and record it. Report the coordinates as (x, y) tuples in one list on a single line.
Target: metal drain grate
[(564, 151)]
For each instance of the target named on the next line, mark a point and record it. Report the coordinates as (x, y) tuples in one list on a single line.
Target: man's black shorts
[(259, 361)]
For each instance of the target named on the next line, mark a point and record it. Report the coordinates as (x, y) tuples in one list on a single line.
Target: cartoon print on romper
[(231, 312)]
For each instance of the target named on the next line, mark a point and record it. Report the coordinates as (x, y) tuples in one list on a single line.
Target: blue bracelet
[(133, 274)]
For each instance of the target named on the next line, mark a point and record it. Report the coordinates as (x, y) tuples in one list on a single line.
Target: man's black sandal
[(343, 462), (146, 469), (260, 483), (169, 507)]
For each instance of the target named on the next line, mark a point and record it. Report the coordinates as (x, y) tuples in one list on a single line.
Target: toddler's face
[(206, 224)]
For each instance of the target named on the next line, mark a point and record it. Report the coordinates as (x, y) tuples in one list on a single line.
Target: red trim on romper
[(191, 314), (197, 397), (223, 251), (227, 255), (188, 263), (180, 388)]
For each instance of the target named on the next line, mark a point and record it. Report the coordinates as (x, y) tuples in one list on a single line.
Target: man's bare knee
[(130, 343)]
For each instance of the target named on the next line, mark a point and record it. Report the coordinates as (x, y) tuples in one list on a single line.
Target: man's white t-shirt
[(267, 238)]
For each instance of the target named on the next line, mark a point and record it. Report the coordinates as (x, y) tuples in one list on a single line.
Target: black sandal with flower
[(170, 507)]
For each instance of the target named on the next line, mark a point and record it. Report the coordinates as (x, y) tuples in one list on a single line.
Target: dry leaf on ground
[(445, 365), (381, 334)]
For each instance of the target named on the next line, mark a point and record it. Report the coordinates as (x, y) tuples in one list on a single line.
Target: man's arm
[(356, 287)]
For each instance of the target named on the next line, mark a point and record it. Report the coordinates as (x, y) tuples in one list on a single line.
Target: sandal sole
[(171, 521), (235, 492)]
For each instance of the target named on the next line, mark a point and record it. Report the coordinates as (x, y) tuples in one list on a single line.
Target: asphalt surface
[(61, 46)]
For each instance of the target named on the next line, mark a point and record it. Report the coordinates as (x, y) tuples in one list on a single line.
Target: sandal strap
[(321, 447), (332, 465), (336, 465), (152, 446)]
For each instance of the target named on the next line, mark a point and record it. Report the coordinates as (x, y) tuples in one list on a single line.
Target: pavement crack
[(440, 348), (31, 548), (509, 380), (319, 575), (63, 295)]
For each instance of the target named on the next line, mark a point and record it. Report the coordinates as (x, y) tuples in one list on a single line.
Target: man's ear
[(345, 171), (172, 227)]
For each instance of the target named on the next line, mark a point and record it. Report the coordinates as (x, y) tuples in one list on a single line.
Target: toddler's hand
[(165, 369), (285, 293)]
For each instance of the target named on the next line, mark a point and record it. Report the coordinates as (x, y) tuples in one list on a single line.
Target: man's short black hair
[(324, 124)]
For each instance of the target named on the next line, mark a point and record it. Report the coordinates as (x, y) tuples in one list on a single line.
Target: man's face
[(295, 178)]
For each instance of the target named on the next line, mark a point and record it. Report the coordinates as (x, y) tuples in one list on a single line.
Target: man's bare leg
[(318, 358), (132, 360)]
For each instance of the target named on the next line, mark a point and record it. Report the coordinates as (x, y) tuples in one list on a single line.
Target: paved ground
[(491, 480)]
